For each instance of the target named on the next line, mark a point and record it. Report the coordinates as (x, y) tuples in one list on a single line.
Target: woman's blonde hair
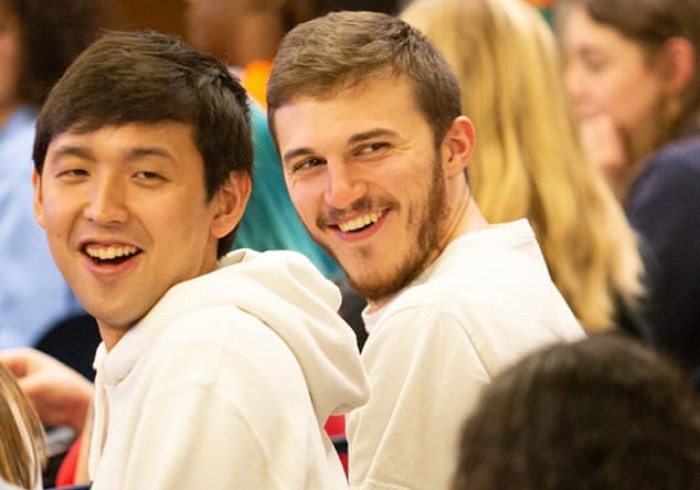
[(22, 441), (529, 161)]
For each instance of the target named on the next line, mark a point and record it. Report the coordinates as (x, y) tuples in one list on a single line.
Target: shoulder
[(667, 187), (683, 152), (210, 345), (675, 166), (498, 297), (223, 327), (482, 270)]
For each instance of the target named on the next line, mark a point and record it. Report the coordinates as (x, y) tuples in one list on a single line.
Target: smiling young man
[(214, 372), (366, 116)]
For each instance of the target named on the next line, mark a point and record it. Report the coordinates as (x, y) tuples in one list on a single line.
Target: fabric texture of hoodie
[(227, 383), (487, 301)]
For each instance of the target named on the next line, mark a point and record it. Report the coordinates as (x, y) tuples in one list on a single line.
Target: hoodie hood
[(290, 296)]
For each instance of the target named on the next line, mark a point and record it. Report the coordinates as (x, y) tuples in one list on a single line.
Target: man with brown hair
[(366, 116)]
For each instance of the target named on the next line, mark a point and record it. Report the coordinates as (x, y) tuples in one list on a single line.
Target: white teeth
[(112, 252), (360, 222)]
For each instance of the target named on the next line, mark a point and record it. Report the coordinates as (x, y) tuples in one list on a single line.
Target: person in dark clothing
[(632, 73)]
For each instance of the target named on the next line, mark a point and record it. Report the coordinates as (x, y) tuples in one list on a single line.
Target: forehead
[(581, 29), (381, 102), (171, 137)]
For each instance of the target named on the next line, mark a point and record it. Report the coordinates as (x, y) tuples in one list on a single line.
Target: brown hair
[(650, 24), (343, 50)]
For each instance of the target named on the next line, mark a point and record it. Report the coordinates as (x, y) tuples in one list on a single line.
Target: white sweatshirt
[(227, 383), (484, 303)]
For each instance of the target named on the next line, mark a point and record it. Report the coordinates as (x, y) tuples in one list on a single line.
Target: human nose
[(344, 185), (107, 201)]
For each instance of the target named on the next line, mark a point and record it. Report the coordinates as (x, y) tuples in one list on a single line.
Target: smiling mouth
[(360, 223), (113, 254)]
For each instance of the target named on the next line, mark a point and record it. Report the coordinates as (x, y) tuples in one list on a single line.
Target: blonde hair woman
[(633, 76), (528, 159), (22, 440)]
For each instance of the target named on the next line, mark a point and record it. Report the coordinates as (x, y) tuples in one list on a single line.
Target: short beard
[(421, 254)]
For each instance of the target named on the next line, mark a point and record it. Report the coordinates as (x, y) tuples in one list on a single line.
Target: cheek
[(301, 198), (634, 101), (176, 217), (304, 198), (604, 91), (49, 213)]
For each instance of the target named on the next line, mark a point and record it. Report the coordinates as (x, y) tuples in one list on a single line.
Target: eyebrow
[(130, 155), (371, 134), (297, 152), (147, 151), (353, 140), (589, 50), (72, 151)]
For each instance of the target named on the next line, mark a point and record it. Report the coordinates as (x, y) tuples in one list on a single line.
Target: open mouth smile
[(360, 223), (110, 254)]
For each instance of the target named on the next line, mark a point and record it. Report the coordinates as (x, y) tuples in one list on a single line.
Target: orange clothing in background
[(254, 79)]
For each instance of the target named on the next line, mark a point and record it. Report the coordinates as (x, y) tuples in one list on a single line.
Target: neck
[(465, 218), (110, 335)]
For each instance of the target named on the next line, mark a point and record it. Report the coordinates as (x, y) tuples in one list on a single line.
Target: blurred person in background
[(601, 413), (246, 33), (38, 40), (632, 74), (529, 161), (21, 440)]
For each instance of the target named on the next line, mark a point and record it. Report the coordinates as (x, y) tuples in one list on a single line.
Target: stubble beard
[(379, 288)]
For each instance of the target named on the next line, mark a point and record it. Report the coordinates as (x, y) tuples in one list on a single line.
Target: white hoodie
[(227, 383)]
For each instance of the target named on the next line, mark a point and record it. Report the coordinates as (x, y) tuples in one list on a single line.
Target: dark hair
[(650, 24), (297, 11), (53, 33), (345, 49), (147, 77), (602, 413)]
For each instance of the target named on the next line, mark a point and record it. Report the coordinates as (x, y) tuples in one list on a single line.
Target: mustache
[(363, 205)]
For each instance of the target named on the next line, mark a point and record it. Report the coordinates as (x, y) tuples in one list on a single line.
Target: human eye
[(148, 178), (306, 164), (75, 172), (148, 175), (372, 148), (71, 173), (594, 63)]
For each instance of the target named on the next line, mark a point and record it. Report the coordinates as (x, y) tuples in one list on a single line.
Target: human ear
[(38, 203), (231, 200), (679, 64), (458, 146)]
